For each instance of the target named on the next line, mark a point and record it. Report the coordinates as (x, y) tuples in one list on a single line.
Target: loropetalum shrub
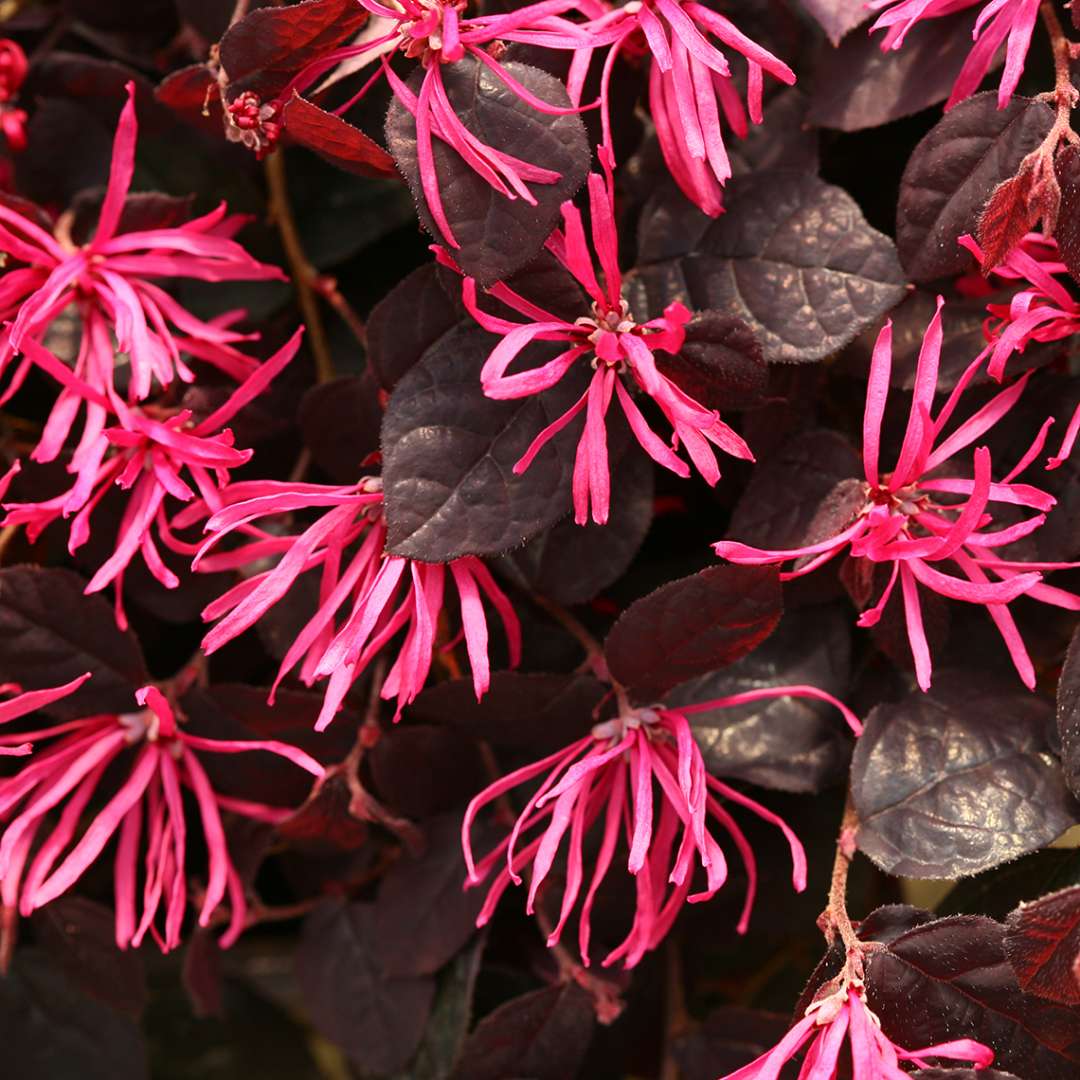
[(525, 538)]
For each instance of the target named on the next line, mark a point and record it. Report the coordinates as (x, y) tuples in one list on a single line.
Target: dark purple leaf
[(450, 765), (424, 915), (188, 92), (784, 140), (142, 210), (789, 743), (792, 256), (52, 1031), (339, 423), (730, 1038), (201, 974), (1042, 942), (691, 626), (859, 86), (324, 824), (998, 891), (1067, 233), (720, 363), (407, 322), (963, 1074), (80, 939), (542, 1035), (837, 17), (952, 173), (571, 563), (950, 978), (1068, 714), (449, 452), (498, 236), (801, 494), (535, 713), (267, 47), (51, 633), (957, 780), (334, 139), (376, 1019)]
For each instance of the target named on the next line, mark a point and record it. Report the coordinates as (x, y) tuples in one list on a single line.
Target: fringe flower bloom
[(998, 21), (148, 453), (366, 595), (690, 84), (874, 1056), (904, 522), (611, 773), (110, 283), (146, 812), (1042, 309), (622, 353), (436, 33)]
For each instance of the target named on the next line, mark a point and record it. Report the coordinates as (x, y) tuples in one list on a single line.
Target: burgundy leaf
[(267, 47), (791, 256), (859, 85), (80, 938), (837, 17), (50, 633), (334, 140), (188, 92), (784, 140), (324, 823), (201, 974), (1010, 212), (782, 506), (691, 626), (729, 1038), (720, 364), (1067, 233), (1042, 942), (789, 743), (571, 563), (449, 451), (958, 779), (1068, 714), (423, 914), (339, 423), (542, 1035), (498, 236), (375, 1018), (952, 173), (951, 975), (536, 713)]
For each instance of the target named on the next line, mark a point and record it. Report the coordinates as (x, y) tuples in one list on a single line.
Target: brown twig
[(1064, 95), (327, 288), (676, 1018), (303, 273)]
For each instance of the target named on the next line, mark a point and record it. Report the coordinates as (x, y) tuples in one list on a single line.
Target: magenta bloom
[(149, 454), (997, 21), (690, 83), (621, 352), (367, 597), (874, 1056), (13, 68), (1042, 310), (146, 813), (904, 523), (435, 33), (110, 282), (611, 773)]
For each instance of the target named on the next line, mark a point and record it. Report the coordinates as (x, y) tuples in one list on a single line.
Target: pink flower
[(110, 283), (24, 703), (902, 521), (13, 67), (1043, 309), (434, 32), (997, 21), (149, 454), (690, 84), (622, 353), (611, 773), (146, 811), (366, 595), (874, 1056)]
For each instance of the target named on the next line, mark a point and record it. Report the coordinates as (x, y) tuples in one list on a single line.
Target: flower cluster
[(910, 521), (145, 813)]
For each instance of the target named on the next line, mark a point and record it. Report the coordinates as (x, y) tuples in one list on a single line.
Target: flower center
[(616, 728), (251, 122), (145, 726), (604, 324), (907, 500), (422, 33)]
